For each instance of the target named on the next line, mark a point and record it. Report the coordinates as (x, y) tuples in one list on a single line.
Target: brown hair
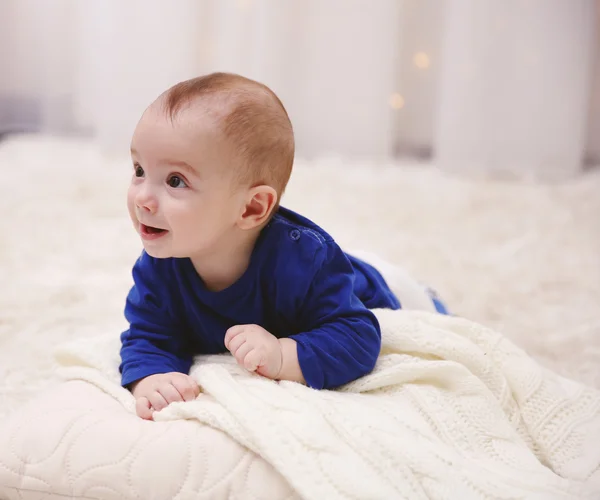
[(252, 119)]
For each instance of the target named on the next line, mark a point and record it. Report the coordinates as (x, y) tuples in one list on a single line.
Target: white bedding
[(453, 410), (521, 258), (77, 441)]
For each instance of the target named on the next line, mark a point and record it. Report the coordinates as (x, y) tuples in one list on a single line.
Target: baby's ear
[(260, 202)]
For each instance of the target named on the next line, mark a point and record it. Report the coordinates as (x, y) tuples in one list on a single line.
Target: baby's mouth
[(151, 230)]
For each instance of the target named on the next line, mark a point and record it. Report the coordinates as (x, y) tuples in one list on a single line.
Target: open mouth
[(151, 232)]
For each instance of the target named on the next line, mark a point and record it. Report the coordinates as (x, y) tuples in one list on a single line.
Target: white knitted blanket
[(452, 410)]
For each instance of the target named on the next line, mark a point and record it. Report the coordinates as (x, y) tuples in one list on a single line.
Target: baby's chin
[(158, 253), (164, 252)]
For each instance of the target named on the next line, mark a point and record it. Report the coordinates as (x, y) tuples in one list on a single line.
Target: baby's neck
[(225, 266)]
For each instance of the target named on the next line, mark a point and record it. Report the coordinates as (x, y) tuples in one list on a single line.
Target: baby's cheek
[(131, 205)]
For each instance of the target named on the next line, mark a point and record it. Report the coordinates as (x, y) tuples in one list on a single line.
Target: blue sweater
[(299, 284)]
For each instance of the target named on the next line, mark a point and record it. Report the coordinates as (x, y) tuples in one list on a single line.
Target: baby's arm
[(290, 367), (341, 338), (154, 343)]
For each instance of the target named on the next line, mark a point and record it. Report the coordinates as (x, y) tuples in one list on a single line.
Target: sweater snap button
[(295, 234)]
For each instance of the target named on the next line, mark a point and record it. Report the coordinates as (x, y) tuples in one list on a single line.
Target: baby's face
[(181, 198)]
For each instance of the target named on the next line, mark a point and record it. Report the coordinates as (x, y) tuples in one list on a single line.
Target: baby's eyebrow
[(181, 164), (173, 163)]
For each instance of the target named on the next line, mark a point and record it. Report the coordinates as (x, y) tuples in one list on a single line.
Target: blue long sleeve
[(342, 340), (154, 342)]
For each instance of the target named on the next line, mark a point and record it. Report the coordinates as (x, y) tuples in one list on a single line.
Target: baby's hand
[(255, 349), (155, 392)]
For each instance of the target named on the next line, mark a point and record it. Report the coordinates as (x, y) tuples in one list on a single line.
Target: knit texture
[(452, 410)]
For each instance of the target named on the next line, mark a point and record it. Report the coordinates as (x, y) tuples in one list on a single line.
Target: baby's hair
[(252, 119)]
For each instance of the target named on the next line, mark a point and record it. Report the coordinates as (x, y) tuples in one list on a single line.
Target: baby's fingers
[(170, 393), (253, 360), (232, 333), (143, 409), (242, 352), (187, 387), (157, 400), (236, 343)]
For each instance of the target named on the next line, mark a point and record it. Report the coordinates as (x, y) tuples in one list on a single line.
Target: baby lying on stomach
[(224, 266)]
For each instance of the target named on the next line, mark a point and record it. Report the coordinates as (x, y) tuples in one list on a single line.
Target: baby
[(224, 266)]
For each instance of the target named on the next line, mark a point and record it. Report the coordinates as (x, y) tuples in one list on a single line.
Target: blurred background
[(509, 87)]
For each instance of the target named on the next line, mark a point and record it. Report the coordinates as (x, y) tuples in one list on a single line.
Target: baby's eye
[(176, 182), (139, 171)]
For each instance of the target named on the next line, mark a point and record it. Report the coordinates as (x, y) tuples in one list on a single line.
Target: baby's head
[(211, 158)]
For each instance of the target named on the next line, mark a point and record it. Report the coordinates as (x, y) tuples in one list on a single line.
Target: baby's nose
[(146, 201)]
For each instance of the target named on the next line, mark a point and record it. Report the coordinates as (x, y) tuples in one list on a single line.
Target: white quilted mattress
[(77, 440)]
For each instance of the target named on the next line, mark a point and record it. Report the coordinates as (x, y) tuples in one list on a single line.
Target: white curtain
[(480, 84)]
